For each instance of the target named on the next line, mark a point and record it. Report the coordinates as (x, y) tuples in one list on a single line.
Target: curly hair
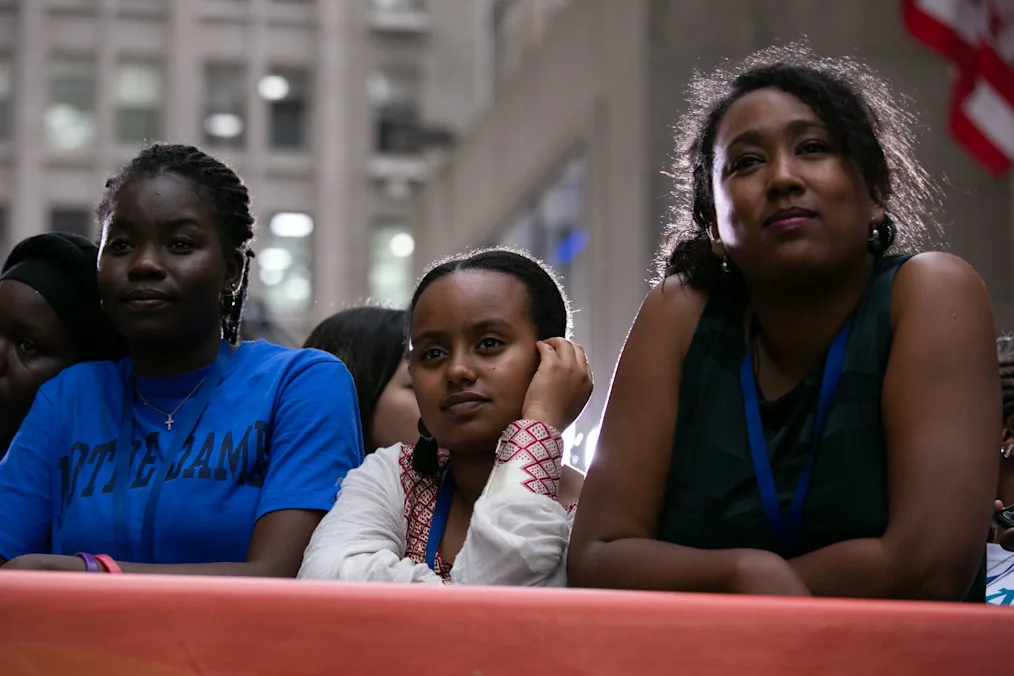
[(1005, 356), (872, 127), (226, 193)]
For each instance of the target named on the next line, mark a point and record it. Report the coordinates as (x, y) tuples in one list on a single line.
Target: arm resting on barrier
[(275, 551), (516, 538), (363, 537), (942, 416), (614, 543), (519, 530)]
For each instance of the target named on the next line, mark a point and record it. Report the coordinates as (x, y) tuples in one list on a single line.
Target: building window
[(398, 5), (138, 101), (286, 94), (224, 106), (391, 262), (71, 219), (551, 225), (70, 117), (395, 97), (6, 94), (399, 16), (285, 264)]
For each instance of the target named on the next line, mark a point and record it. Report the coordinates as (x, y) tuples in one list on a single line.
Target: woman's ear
[(877, 208), (716, 240), (234, 264)]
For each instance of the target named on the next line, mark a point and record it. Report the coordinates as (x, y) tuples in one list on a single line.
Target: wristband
[(91, 565), (109, 564)]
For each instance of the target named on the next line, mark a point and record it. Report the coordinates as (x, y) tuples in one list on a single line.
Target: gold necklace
[(169, 416)]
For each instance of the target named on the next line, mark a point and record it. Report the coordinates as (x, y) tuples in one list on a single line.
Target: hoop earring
[(229, 299), (425, 455), (874, 243)]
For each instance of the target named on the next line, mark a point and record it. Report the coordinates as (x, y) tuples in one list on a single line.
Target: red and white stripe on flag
[(977, 37)]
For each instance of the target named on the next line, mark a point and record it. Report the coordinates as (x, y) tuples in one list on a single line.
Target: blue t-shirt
[(280, 432)]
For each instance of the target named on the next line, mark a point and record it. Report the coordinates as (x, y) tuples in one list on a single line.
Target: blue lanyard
[(187, 423), (439, 523), (788, 532)]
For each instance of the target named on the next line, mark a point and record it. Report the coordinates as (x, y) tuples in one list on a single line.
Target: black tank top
[(712, 500)]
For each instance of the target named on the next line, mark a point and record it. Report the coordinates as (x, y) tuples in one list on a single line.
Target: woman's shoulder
[(393, 461), (389, 466), (85, 378), (938, 265), (262, 357), (930, 279), (675, 296), (397, 457), (666, 323), (261, 351)]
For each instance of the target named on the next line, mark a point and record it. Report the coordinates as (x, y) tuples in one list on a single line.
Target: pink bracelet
[(109, 564)]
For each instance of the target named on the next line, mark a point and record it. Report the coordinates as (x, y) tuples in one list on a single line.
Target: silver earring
[(1007, 451), (725, 265), (873, 243)]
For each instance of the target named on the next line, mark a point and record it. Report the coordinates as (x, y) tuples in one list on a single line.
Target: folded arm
[(942, 418)]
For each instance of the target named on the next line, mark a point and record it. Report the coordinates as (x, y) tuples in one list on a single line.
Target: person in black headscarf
[(50, 318)]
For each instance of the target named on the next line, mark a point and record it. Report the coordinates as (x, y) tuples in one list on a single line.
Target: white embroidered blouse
[(518, 535)]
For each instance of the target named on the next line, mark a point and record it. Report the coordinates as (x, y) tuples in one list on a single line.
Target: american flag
[(977, 37)]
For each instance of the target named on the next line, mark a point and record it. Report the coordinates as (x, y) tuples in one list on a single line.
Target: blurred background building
[(331, 111), (378, 135)]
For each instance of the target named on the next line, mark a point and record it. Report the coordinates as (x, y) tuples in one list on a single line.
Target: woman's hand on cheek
[(561, 386), (72, 564)]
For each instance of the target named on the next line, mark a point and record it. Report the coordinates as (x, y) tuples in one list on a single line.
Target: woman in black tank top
[(796, 412)]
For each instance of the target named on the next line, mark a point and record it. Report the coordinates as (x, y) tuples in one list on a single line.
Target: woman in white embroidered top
[(485, 498)]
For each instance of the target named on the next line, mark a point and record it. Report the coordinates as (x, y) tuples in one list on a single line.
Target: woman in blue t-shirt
[(195, 455)]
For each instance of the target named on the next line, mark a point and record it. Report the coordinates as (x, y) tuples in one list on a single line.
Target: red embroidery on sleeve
[(539, 450)]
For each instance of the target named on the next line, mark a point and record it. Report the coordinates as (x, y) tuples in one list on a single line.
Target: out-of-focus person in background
[(258, 324), (482, 497), (370, 341), (198, 454), (50, 319), (796, 411), (1000, 551)]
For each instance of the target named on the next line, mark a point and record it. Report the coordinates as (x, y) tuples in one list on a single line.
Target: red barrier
[(59, 623)]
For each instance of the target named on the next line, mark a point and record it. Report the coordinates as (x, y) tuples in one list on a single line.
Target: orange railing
[(59, 623)]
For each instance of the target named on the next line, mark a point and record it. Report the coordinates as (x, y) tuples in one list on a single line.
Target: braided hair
[(227, 195), (1005, 355)]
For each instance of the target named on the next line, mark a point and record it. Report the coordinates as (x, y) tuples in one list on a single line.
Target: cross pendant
[(169, 423)]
